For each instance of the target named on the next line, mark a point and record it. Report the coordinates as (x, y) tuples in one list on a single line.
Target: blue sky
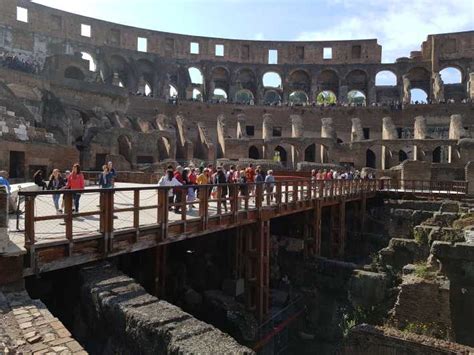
[(400, 26)]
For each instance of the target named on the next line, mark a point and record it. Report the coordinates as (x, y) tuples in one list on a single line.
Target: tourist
[(106, 178), (56, 182), (76, 182), (169, 180), (178, 174), (244, 189), (222, 180), (4, 181), (192, 190), (39, 180), (202, 178), (269, 185), (111, 168)]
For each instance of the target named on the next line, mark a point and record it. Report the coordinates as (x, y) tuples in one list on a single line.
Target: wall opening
[(219, 95), (298, 98), (402, 156), (356, 98), (244, 97), (272, 80), (370, 160), (271, 97), (326, 98), (85, 30), (142, 44), (197, 95), (253, 153), (280, 155), (173, 92), (194, 48), (196, 76), (451, 75), (418, 96), (219, 50), (17, 165), (310, 153), (327, 53), (385, 78), (272, 56), (74, 73), (21, 14), (90, 59)]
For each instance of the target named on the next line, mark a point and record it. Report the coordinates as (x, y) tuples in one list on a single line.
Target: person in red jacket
[(178, 175), (75, 182)]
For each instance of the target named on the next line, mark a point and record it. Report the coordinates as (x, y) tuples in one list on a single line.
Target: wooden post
[(29, 220), (163, 211), (203, 193), (160, 271), (136, 213), (317, 228)]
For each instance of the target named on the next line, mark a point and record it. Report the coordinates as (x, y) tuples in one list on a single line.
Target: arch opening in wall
[(195, 76), (92, 65), (370, 159), (220, 78), (356, 98), (244, 97), (173, 92), (299, 80), (272, 80), (254, 153), (420, 78), (418, 96), (298, 98), (451, 75), (219, 95), (402, 156), (441, 154), (310, 153), (280, 155), (385, 78), (272, 98), (357, 80), (197, 95), (328, 80), (119, 70), (326, 98), (247, 80), (74, 73)]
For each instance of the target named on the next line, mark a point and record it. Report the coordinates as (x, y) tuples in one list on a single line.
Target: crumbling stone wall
[(117, 308)]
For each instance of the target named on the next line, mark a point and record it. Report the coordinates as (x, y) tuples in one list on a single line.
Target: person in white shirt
[(170, 181)]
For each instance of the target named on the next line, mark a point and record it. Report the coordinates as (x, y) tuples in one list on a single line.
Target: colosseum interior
[(78, 89)]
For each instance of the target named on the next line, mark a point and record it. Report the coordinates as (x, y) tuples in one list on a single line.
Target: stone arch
[(173, 91), (271, 97), (328, 80), (75, 73), (282, 154), (386, 78), (402, 156), (197, 95), (244, 96), (420, 78), (146, 72), (299, 80), (272, 79), (357, 80), (247, 80), (452, 74), (164, 148), (298, 98), (92, 62), (441, 154), (220, 79), (326, 98), (254, 153), (356, 98), (370, 159), (219, 95), (310, 153), (418, 96), (195, 76), (120, 71)]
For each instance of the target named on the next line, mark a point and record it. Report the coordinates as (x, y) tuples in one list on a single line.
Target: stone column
[(4, 239), (421, 130), (470, 86), (327, 131), (297, 128), (371, 92), (357, 133), (342, 97), (456, 128), (470, 177), (241, 126), (267, 133), (389, 131)]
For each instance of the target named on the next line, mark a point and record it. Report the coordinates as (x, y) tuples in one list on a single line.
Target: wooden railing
[(452, 189)]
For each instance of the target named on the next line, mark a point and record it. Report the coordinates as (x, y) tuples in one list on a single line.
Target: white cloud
[(400, 27)]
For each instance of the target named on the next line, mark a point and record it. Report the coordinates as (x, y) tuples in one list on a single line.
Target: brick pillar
[(3, 219)]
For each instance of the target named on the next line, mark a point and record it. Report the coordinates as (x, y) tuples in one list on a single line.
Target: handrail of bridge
[(425, 187), (104, 212)]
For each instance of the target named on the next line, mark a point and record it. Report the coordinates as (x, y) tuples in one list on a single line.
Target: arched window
[(402, 156), (298, 98), (385, 78), (253, 153), (196, 76), (370, 160), (74, 73), (326, 98), (310, 153), (197, 95), (219, 95), (418, 96), (356, 98), (451, 75), (271, 97), (280, 155), (272, 80), (90, 59), (244, 97)]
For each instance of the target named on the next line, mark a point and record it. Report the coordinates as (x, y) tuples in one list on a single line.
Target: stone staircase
[(27, 327)]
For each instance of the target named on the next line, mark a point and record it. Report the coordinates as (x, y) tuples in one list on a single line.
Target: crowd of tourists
[(20, 63)]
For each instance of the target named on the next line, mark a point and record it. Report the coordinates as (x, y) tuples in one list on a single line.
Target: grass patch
[(463, 222), (423, 271)]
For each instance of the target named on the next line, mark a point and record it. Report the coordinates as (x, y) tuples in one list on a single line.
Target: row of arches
[(245, 83)]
